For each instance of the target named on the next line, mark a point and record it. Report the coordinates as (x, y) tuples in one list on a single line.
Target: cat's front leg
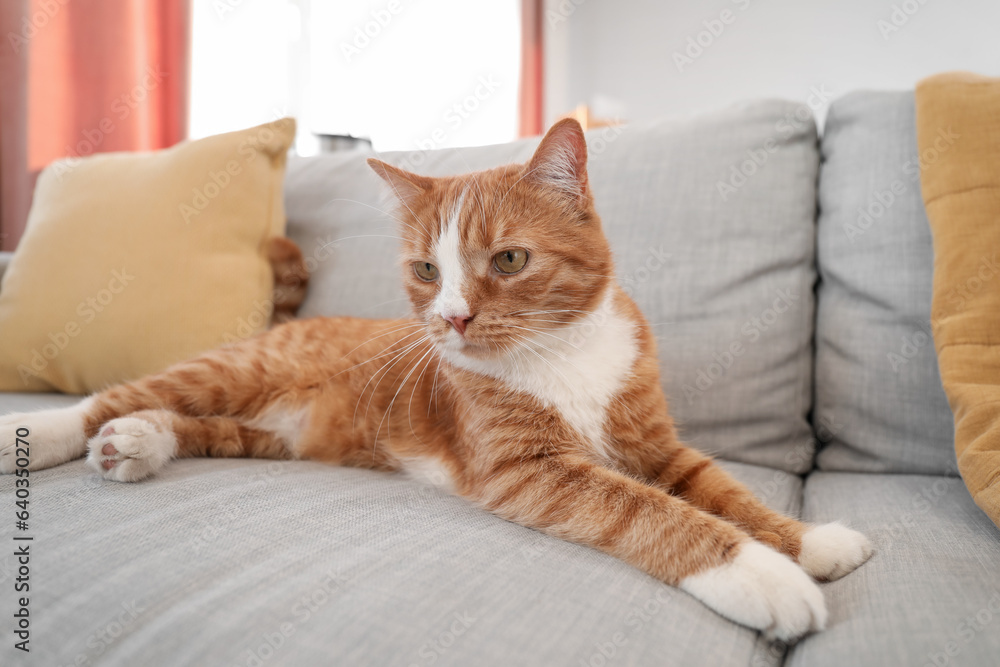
[(576, 500), (50, 437), (135, 446), (826, 552)]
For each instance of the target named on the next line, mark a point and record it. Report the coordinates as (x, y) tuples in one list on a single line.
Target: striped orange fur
[(534, 393)]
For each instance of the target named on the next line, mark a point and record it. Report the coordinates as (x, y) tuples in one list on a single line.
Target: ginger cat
[(528, 380)]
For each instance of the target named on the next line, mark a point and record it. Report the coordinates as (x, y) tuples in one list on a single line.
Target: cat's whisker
[(433, 395), (527, 346), (383, 303), (374, 338), (392, 402), (550, 335), (548, 312), (388, 350), (362, 236), (563, 323), (374, 208), (416, 383), (388, 366), (558, 355)]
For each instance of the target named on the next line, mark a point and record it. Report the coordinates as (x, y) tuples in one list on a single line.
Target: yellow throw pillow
[(133, 261), (958, 135)]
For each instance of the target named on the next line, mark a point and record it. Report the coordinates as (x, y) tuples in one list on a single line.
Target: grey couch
[(788, 279)]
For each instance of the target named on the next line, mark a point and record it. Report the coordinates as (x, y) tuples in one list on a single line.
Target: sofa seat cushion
[(712, 223), (931, 593), (29, 402), (228, 562)]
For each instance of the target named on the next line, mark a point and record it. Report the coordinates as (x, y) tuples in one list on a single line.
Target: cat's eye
[(425, 271), (510, 261)]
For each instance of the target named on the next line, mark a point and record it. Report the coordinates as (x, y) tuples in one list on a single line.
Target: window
[(407, 75)]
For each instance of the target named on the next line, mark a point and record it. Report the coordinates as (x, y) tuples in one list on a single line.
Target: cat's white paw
[(128, 449), (52, 437), (832, 550), (764, 590)]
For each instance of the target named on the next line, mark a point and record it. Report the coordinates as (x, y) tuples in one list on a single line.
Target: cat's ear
[(560, 161), (406, 185)]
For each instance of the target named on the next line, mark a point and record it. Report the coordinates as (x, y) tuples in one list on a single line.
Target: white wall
[(619, 56)]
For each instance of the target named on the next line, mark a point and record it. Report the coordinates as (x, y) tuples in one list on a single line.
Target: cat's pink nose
[(460, 322)]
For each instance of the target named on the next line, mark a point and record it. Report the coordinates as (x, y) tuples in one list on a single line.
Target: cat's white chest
[(578, 371)]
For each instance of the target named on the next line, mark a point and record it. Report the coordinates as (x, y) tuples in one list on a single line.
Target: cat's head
[(495, 259)]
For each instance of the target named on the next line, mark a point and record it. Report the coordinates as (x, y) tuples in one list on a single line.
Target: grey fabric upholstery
[(931, 593), (305, 564), (879, 399), (714, 270), (10, 402)]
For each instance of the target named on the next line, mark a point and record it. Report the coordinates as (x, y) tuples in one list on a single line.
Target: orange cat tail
[(291, 278)]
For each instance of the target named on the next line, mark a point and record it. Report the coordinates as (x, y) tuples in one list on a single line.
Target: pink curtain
[(81, 77), (532, 68)]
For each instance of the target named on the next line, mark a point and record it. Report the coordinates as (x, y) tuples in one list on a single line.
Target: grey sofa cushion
[(19, 402), (931, 593), (720, 262), (879, 399), (221, 562)]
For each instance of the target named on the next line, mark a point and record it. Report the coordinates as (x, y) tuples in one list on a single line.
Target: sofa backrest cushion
[(712, 222), (880, 405)]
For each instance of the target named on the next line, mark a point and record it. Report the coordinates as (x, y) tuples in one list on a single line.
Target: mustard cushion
[(960, 181), (133, 261)]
